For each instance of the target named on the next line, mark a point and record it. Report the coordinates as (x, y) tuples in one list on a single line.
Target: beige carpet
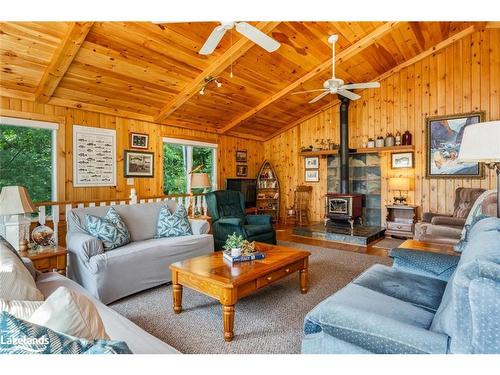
[(269, 321)]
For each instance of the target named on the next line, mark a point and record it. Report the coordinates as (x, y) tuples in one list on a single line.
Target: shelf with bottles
[(268, 195)]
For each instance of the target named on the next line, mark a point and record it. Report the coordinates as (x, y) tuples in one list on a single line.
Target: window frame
[(39, 124), (191, 144)]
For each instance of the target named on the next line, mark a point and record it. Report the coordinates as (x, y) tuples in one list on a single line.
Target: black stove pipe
[(344, 144)]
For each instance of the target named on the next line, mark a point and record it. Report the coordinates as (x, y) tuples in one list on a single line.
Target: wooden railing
[(55, 214)]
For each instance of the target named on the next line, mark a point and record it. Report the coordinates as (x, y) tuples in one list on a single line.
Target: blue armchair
[(425, 303), (227, 210)]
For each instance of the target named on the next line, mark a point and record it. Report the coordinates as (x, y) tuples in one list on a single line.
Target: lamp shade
[(200, 180), (480, 143), (15, 200), (399, 183)]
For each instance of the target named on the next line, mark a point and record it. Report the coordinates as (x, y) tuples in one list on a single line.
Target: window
[(27, 156), (180, 157)]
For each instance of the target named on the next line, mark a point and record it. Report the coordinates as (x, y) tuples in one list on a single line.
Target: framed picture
[(312, 175), (312, 162), (138, 164), (94, 156), (401, 160), (139, 140), (444, 136), (241, 156), (241, 170)]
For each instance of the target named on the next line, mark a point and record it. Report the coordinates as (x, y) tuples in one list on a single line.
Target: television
[(248, 186)]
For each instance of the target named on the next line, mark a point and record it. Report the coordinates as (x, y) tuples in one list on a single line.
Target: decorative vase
[(398, 138), (236, 252), (370, 143), (407, 138), (389, 140), (379, 142)]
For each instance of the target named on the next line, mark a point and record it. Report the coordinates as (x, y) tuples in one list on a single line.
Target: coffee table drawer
[(278, 274)]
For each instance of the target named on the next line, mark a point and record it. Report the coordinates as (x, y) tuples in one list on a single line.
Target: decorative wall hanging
[(138, 164), (401, 160), (94, 156), (139, 140), (311, 162), (444, 136), (241, 171), (241, 156), (312, 175)]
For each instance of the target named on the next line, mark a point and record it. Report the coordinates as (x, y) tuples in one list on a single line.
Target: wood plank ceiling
[(153, 72)]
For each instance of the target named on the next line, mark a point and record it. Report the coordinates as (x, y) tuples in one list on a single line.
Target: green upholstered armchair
[(227, 209)]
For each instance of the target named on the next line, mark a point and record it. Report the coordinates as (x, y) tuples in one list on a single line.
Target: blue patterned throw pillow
[(173, 224), (110, 229), (20, 337)]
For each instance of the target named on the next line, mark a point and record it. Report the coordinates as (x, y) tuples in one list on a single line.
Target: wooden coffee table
[(216, 277)]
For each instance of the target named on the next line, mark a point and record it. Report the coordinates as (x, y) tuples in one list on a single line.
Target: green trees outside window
[(26, 160)]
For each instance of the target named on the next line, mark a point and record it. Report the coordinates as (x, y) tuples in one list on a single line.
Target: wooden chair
[(299, 212)]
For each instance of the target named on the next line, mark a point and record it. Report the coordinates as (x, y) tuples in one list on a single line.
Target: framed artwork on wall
[(444, 137), (241, 156), (138, 164), (312, 162), (241, 170), (401, 160), (94, 156), (312, 175), (139, 141)]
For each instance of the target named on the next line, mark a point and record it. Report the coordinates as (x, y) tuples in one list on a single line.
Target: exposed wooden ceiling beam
[(216, 67), (62, 59), (340, 57), (452, 39)]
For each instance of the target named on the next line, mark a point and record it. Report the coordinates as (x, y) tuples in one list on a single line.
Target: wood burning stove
[(344, 205), (348, 207)]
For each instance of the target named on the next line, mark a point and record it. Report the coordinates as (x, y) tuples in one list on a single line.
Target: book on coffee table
[(243, 258)]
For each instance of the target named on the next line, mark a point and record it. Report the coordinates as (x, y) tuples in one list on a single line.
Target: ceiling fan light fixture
[(202, 91), (218, 83)]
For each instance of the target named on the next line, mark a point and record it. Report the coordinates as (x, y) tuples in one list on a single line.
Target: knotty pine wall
[(463, 77), (145, 187)]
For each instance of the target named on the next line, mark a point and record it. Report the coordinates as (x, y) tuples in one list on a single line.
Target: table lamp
[(15, 202), (481, 143), (199, 181), (399, 184)]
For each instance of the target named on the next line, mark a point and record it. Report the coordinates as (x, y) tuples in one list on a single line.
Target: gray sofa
[(116, 326), (141, 264)]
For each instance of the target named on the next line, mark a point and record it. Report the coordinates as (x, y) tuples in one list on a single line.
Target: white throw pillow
[(71, 313), (20, 309), (16, 283)]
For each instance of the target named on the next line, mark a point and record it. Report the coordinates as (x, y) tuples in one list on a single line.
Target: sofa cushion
[(174, 224), (71, 313), (323, 343), (254, 230), (16, 282), (111, 229), (20, 309), (376, 322), (21, 337), (421, 291)]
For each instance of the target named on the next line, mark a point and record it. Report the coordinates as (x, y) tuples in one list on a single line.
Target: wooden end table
[(429, 246), (47, 260), (214, 276)]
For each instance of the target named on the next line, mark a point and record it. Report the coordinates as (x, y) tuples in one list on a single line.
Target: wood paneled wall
[(462, 77), (67, 117)]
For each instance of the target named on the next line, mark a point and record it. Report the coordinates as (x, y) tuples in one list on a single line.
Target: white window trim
[(54, 126), (186, 142)]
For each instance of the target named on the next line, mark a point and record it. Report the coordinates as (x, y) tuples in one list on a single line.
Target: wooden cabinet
[(401, 220), (268, 192), (48, 260)]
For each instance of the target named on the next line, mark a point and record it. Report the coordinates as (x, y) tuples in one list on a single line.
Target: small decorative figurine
[(398, 138)]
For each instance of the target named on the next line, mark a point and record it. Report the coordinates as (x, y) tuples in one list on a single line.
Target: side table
[(401, 220), (47, 260)]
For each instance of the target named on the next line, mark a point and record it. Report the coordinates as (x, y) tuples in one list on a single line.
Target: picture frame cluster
[(241, 169), (311, 165)]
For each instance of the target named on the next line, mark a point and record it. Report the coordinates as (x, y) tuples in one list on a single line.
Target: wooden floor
[(285, 233)]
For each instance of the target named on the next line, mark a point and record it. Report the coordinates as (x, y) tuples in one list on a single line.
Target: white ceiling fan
[(252, 33), (336, 85)]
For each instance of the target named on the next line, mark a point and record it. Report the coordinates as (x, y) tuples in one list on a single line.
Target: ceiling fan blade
[(366, 85), (213, 40), (307, 91), (320, 96), (348, 94), (257, 36)]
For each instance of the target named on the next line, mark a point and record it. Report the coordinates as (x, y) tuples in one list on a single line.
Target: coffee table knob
[(269, 278), (287, 270)]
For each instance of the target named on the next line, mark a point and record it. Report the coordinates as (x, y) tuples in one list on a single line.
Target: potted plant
[(233, 244)]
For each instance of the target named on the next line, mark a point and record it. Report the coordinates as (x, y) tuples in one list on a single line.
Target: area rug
[(269, 321)]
